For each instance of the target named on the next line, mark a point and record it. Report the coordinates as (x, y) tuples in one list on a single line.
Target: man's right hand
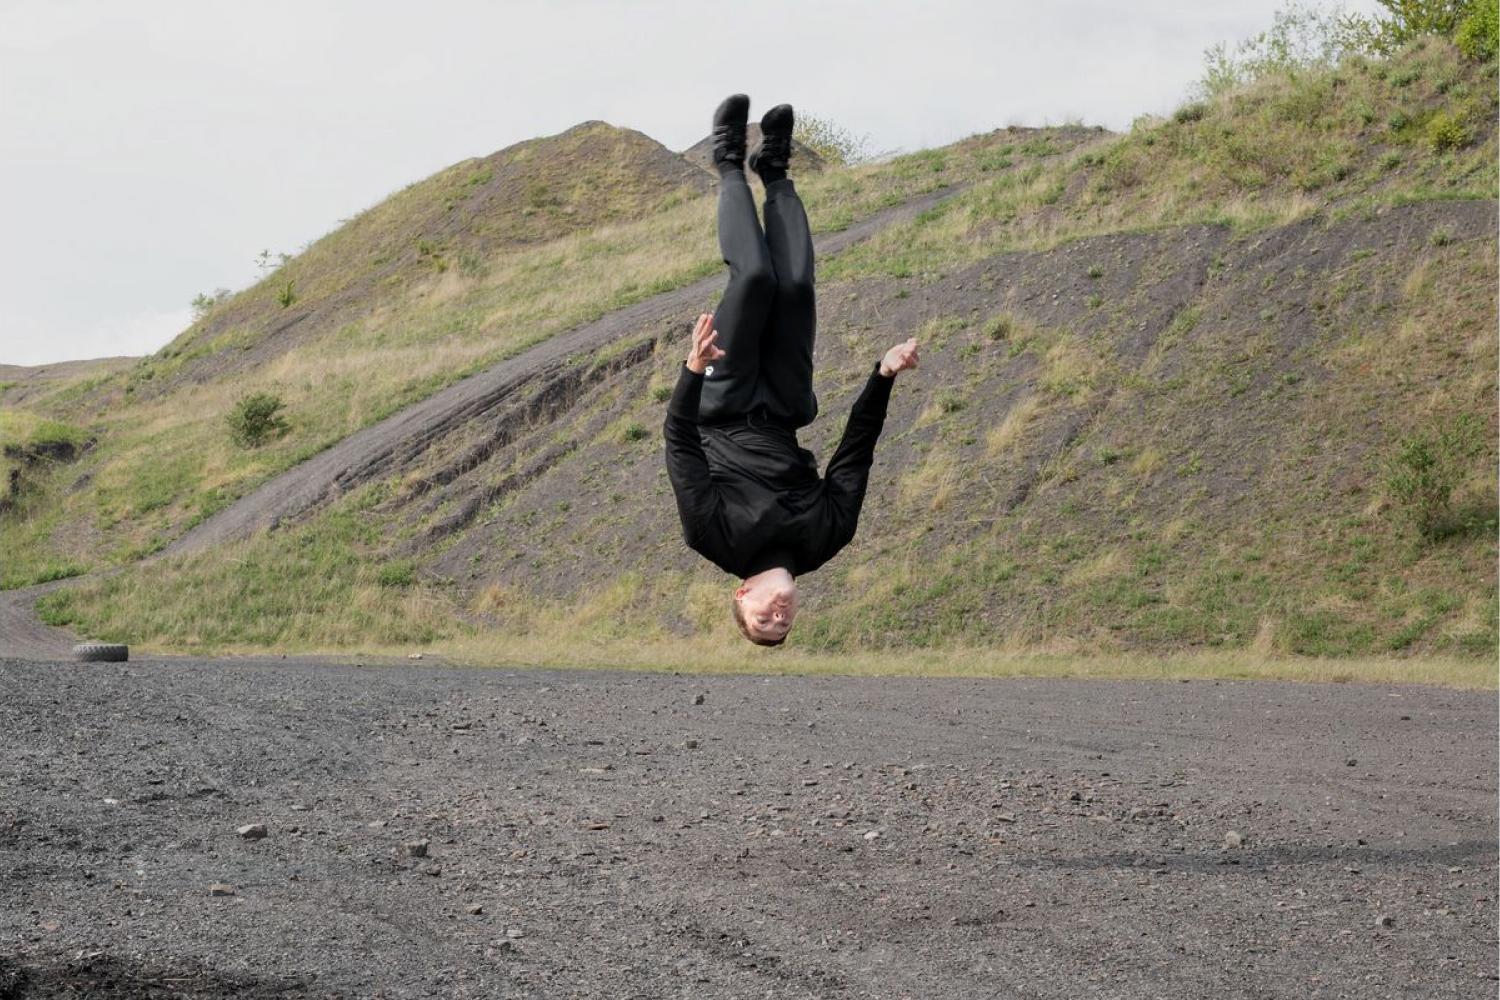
[(899, 358), (704, 349)]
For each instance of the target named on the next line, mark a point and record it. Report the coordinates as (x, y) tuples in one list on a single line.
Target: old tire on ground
[(101, 652)]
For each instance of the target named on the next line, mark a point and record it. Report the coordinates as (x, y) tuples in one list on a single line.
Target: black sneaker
[(773, 153), (729, 132)]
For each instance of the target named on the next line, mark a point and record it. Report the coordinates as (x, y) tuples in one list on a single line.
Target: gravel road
[(446, 832)]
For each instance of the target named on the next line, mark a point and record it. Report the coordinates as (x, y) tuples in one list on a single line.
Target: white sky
[(149, 150)]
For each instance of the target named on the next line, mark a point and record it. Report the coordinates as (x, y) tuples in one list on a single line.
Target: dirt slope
[(396, 443), (1202, 394)]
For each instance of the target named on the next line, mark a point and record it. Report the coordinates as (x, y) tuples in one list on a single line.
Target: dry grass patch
[(1007, 434), (1147, 462), (931, 486), (1107, 564), (711, 656)]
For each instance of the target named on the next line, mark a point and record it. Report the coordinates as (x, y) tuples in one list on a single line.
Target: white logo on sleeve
[(709, 370)]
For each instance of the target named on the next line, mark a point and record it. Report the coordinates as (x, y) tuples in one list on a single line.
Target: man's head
[(764, 606)]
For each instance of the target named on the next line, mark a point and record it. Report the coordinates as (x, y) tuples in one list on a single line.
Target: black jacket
[(750, 497)]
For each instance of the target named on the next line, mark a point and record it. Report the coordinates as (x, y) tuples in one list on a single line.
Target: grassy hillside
[(442, 279), (1165, 379)]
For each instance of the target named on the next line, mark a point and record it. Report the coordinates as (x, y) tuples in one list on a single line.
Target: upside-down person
[(750, 497)]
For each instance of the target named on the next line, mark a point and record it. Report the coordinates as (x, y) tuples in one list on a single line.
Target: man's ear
[(741, 591)]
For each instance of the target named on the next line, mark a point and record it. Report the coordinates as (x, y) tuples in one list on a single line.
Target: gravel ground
[(443, 832)]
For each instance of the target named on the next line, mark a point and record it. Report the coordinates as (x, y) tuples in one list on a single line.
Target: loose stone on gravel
[(252, 831), (221, 889), (1233, 839), (416, 848)]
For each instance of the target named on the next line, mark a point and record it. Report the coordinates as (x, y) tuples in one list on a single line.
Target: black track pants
[(767, 318)]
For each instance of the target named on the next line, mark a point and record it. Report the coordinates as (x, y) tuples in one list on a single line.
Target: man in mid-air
[(750, 498)]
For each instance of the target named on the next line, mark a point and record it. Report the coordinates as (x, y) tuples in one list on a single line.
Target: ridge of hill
[(1163, 374), (536, 191)]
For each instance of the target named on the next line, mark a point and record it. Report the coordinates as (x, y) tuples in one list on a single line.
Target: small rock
[(377, 824), (690, 744), (413, 656), (252, 831), (417, 848), (474, 909), (697, 699), (1140, 812), (1385, 920), (1005, 817), (514, 932), (221, 889), (463, 726), (1233, 839), (872, 835), (1350, 762), (50, 926)]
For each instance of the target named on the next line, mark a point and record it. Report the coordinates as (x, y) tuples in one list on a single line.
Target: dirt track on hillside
[(785, 837)]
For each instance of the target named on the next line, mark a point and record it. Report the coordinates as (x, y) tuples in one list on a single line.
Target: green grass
[(280, 591), (1263, 155)]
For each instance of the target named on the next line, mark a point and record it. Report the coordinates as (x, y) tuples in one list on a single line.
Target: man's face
[(769, 608)]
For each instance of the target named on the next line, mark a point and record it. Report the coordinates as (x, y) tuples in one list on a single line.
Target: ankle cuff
[(782, 185)]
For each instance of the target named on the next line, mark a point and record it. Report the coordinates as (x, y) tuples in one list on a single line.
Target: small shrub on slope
[(256, 419), (1426, 469)]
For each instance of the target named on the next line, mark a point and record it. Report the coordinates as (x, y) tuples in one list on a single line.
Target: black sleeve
[(848, 470), (687, 466)]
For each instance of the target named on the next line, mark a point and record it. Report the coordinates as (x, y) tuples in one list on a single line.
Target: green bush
[(1427, 467), (256, 419), (634, 432), (1478, 34), (396, 574), (832, 142), (1447, 131)]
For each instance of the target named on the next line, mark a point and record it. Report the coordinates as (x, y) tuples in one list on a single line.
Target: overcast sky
[(149, 150)]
